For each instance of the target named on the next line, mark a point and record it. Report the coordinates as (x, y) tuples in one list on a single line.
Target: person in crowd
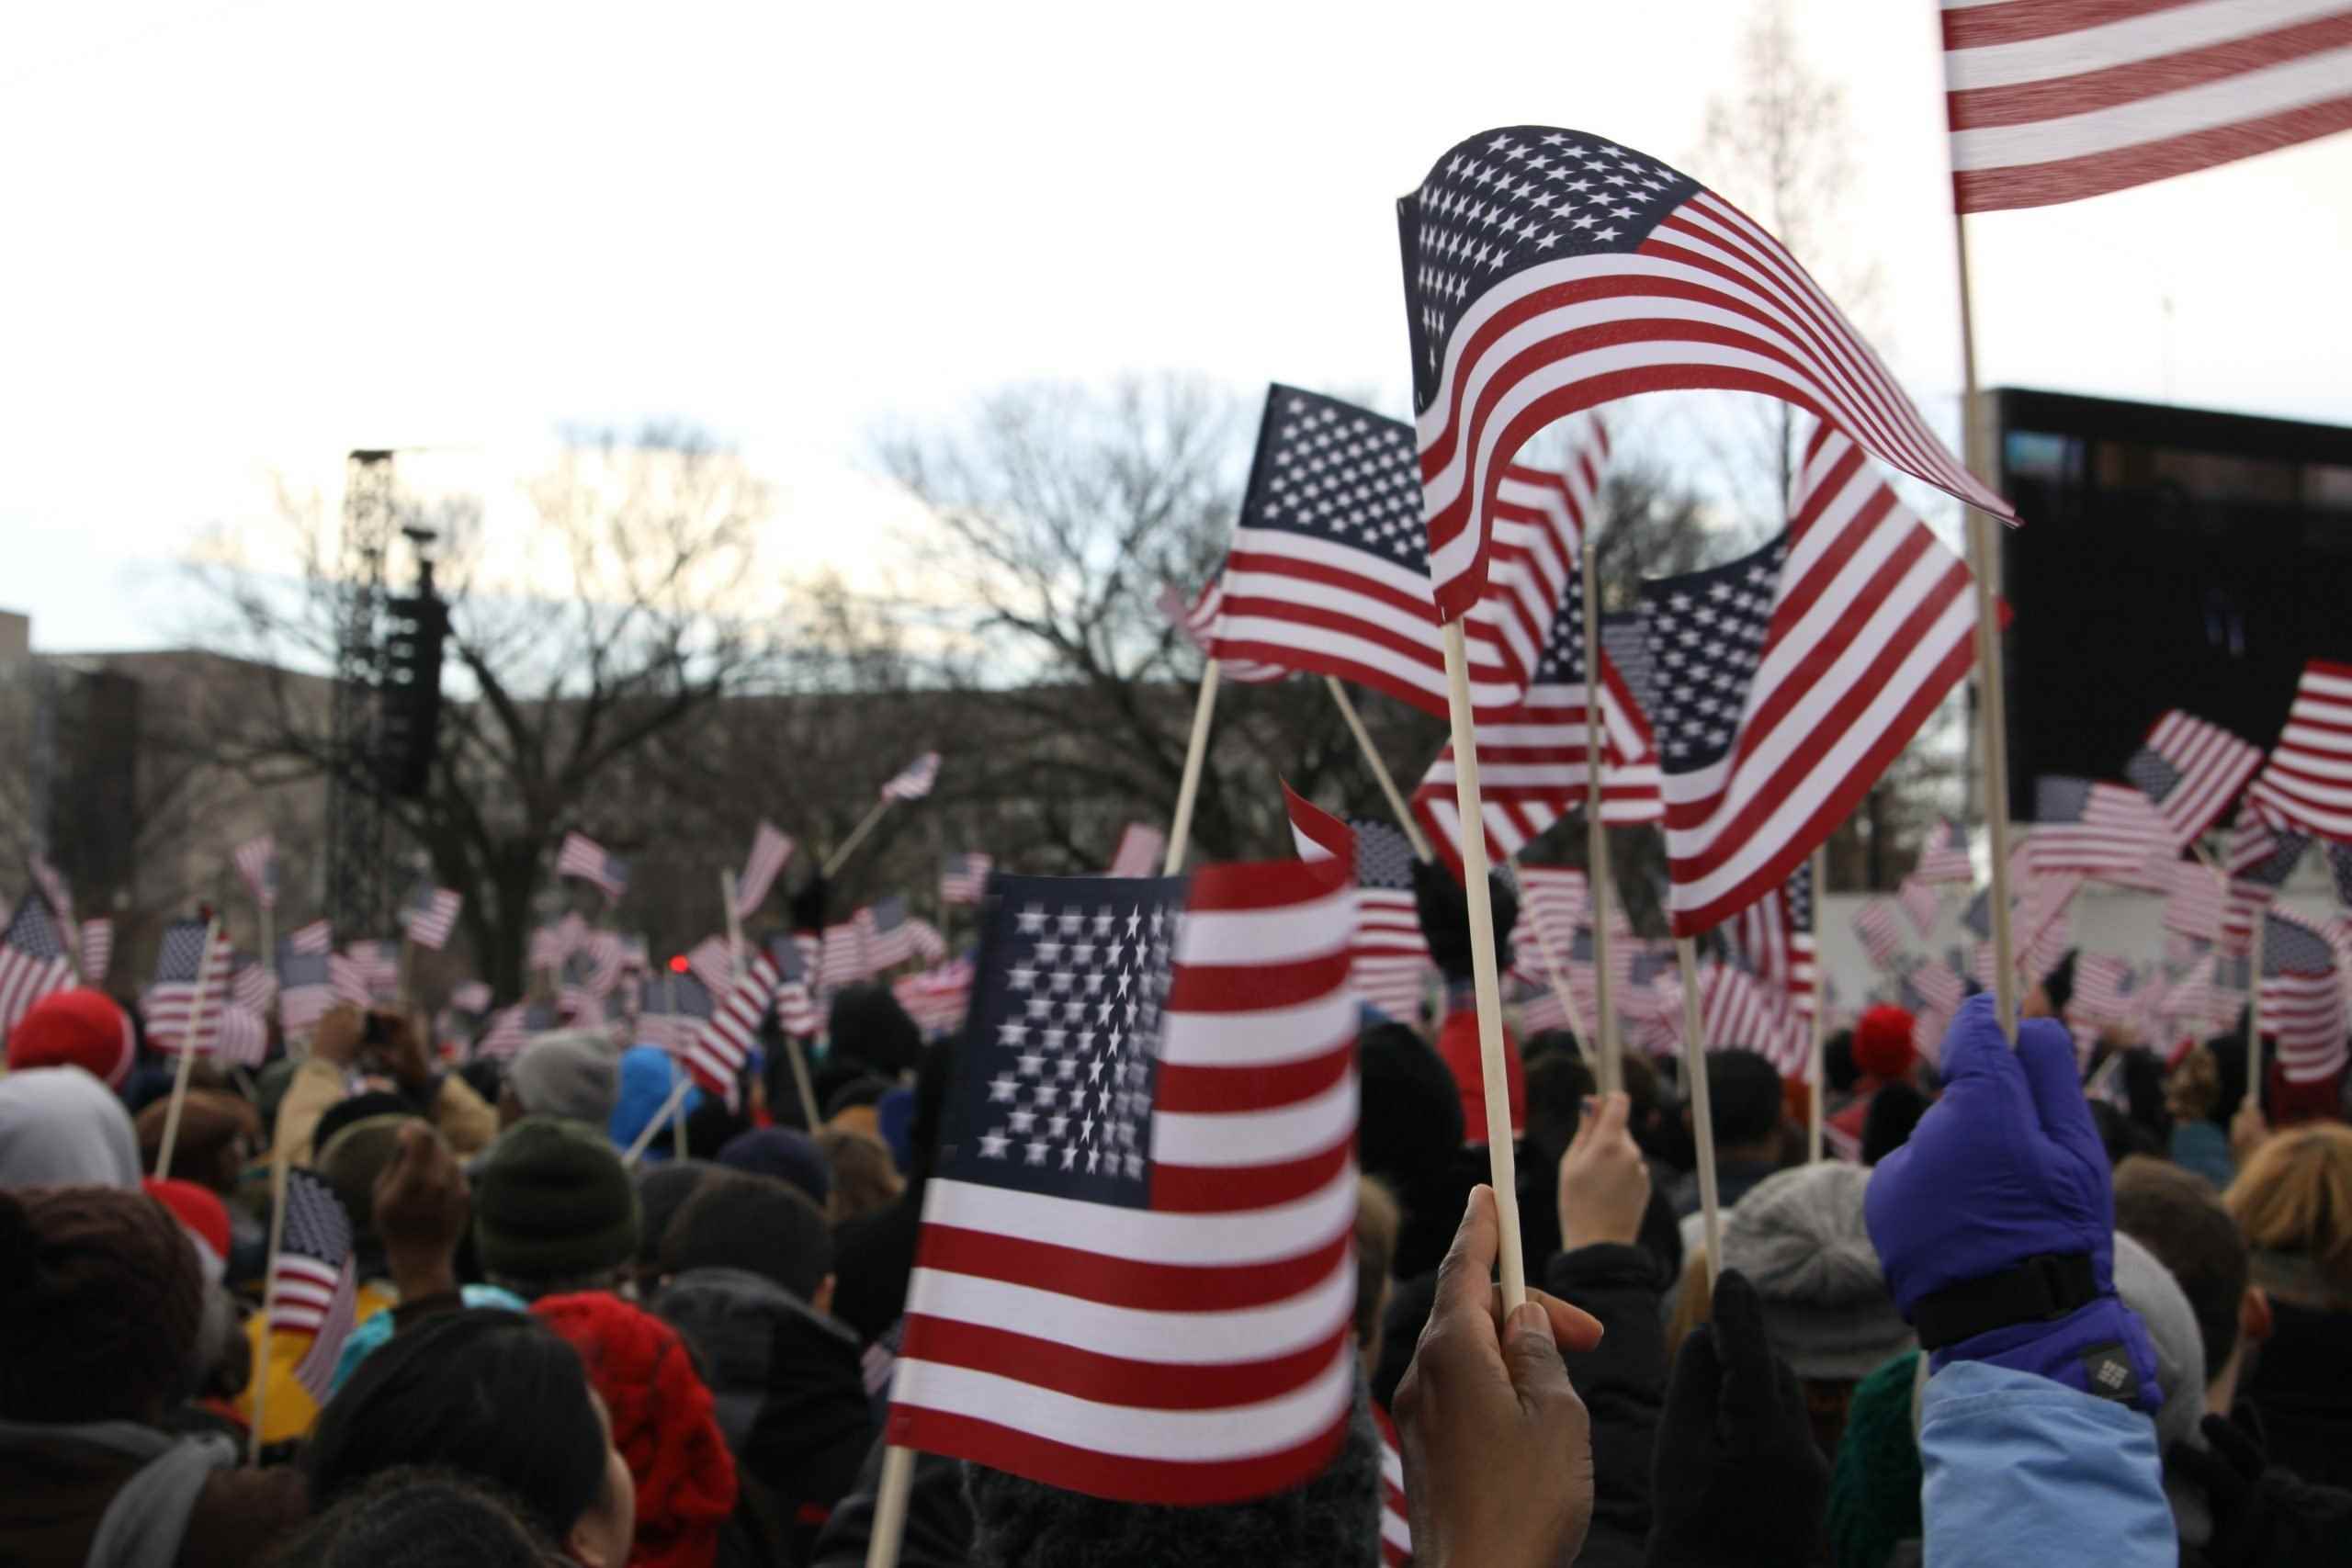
[(494, 1395), (553, 1209), (1743, 1104), (102, 1306), (1882, 1055), (2198, 1140), (221, 1364), (2292, 1200), (790, 1158), (1444, 908), (855, 1105), (865, 1182), (647, 1076), (219, 1132), (2052, 995), (1408, 1134), (79, 1028), (1895, 1109), (662, 1191), (572, 1074), (415, 1516), (61, 1127), (869, 1033), (394, 1044), (875, 1255), (1838, 1073)]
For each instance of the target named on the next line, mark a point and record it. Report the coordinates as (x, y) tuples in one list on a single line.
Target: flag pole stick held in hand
[(1702, 1121), (1596, 845), (187, 1050), (890, 1504), (1482, 967), (1820, 1017), (1411, 828), (1195, 750), (268, 1303)]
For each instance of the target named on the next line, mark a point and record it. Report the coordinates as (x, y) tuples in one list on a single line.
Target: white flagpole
[(840, 857), (669, 1108), (187, 1051), (1609, 1058), (1195, 750), (277, 1163), (1703, 1124), (1814, 1077), (1379, 769), (890, 1504)]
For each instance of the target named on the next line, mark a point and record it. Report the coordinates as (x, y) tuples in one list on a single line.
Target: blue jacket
[(2021, 1469)]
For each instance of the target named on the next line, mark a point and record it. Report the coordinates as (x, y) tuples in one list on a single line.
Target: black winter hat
[(553, 1203)]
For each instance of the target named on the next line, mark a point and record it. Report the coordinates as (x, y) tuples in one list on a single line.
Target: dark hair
[(410, 1517), (485, 1391), (485, 1075), (1556, 1087), (1894, 1110), (1546, 1041), (866, 1024), (2059, 985), (1838, 1069), (662, 1191), (735, 1219), (1410, 1121), (1743, 1096), (2176, 1215), (2121, 1137), (711, 1126), (932, 1079), (358, 1108), (867, 1088)]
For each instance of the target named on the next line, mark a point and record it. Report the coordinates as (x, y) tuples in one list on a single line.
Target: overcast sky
[(243, 238)]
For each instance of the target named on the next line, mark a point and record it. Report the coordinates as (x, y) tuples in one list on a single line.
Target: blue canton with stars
[(1510, 200), (1800, 897), (1333, 471), (1053, 1086), (1707, 631)]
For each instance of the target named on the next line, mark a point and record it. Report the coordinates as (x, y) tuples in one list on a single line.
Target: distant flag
[(431, 914), (253, 984), (2193, 902), (510, 1030), (1141, 849), (1390, 966), (351, 979), (713, 962), (1774, 938), (2055, 100), (1791, 678), (470, 997), (2191, 772), (32, 960), (936, 998), (1880, 937), (1547, 271), (2259, 858), (1199, 1178), (316, 937), (241, 1038), (98, 949), (1554, 901), (842, 960), (893, 936), (2302, 997), (771, 849), (191, 975), (257, 865), (962, 878), (719, 1049), (377, 965), (795, 998), (2301, 784), (2101, 982), (1921, 902), (313, 1286), (305, 989), (2095, 828), (54, 887), (913, 781), (1944, 856), (1939, 984), (584, 858), (1740, 1010), (1395, 1521), (681, 1004)]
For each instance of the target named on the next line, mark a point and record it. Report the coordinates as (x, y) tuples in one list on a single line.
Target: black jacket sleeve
[(939, 1521), (1623, 1385)]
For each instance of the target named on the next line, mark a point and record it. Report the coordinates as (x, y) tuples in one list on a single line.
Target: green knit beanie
[(1874, 1488), (553, 1203)]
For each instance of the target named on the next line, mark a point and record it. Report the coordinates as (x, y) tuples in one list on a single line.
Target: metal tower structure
[(358, 883)]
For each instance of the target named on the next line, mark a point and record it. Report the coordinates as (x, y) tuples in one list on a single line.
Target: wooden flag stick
[(1702, 1122), (1560, 986), (840, 857), (1379, 769), (890, 1503), (1491, 1067), (678, 1093), (1813, 1115), (402, 970), (2253, 1011), (277, 1163), (1611, 1058), (678, 1121), (1991, 724), (1196, 752), (734, 924), (794, 1054), (187, 1051)]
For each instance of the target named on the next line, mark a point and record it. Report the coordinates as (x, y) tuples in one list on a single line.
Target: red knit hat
[(663, 1425), (201, 1215), (1883, 1047), (79, 1028)]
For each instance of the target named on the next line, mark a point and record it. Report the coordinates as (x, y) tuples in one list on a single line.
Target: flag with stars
[(314, 1283), (1390, 966), (722, 1046), (1329, 570), (32, 960), (2096, 829), (1774, 939), (796, 996), (681, 1004), (915, 780), (2259, 858), (2191, 772), (431, 914), (1135, 1275), (305, 987), (2303, 997), (191, 986), (1789, 678), (584, 858), (961, 877), (1547, 272)]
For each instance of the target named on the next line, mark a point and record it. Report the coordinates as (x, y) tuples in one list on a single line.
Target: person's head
[(864, 1179), (1545, 1043), (647, 1074), (61, 1127), (409, 1517), (1409, 1121), (661, 1418), (573, 1073), (790, 1158), (553, 1209), (662, 1191), (2121, 1137), (486, 1075), (2194, 1085), (2292, 1200), (1647, 1117), (79, 1028), (1894, 1110), (493, 1395), (1883, 1048), (2051, 994), (758, 1225), (2176, 1215), (1838, 1072), (1377, 1223), (1743, 1104), (866, 1024), (2147, 1287), (353, 1157), (101, 1305), (1557, 1086)]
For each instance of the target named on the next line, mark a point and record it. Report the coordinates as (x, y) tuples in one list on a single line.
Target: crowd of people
[(2006, 1321)]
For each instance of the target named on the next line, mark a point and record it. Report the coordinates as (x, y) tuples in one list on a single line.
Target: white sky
[(244, 237)]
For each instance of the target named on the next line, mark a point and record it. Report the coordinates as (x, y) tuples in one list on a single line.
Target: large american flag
[(32, 960), (1547, 272), (2096, 829), (1141, 849), (584, 857), (314, 1285), (2301, 785), (962, 878), (913, 781), (191, 975), (771, 848), (258, 864), (1390, 966), (2055, 100), (1791, 678), (1329, 568), (2191, 772), (1136, 1272), (431, 914), (1943, 856)]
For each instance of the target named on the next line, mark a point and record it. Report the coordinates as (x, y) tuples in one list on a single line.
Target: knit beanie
[(573, 1073), (100, 1304), (662, 1191), (754, 1222), (211, 1120), (79, 1028), (2147, 1287), (1874, 1484), (352, 1160), (663, 1423), (866, 1024), (1799, 1236), (789, 1156), (202, 1216), (553, 1203), (61, 1127), (1330, 1521), (1883, 1047)]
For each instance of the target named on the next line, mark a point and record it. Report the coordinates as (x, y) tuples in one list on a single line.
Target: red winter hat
[(201, 1214), (1883, 1047), (79, 1028), (663, 1425)]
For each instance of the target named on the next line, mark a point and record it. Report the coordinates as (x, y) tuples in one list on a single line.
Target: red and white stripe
[(2056, 100), (1395, 1516), (170, 1006), (913, 781), (2193, 902), (936, 999), (1921, 902), (1390, 966), (1199, 1349), (98, 949), (429, 921), (2116, 837), (721, 1046), (256, 863), (1141, 851), (2214, 766), (2307, 783), (1198, 622), (1879, 936), (584, 858), (25, 979), (1739, 1011), (771, 849)]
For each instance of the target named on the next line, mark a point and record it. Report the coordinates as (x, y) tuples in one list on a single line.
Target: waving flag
[(771, 849), (253, 984), (191, 976), (257, 865), (1921, 902), (2055, 100), (717, 1054), (313, 1284), (713, 962), (795, 1003), (1140, 851), (2259, 858), (682, 1005), (98, 949), (913, 781), (2302, 997), (1548, 271), (584, 858), (2095, 828), (1198, 622), (1737, 1011), (962, 878), (305, 989), (936, 998), (316, 937), (1774, 939), (1879, 936), (1553, 902), (471, 997), (54, 887), (431, 914), (32, 960), (1135, 1275), (1944, 856), (1791, 678), (2307, 783), (1390, 966), (2193, 900), (2191, 772)]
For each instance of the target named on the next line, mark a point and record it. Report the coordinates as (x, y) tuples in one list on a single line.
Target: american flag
[(2193, 1003), (795, 1000), (1198, 621), (1153, 1123), (2102, 982), (305, 990), (716, 1054), (2193, 900), (1774, 939), (2096, 829), (191, 976), (771, 848), (511, 1029), (2303, 997), (1390, 966), (2191, 772), (1395, 1522), (431, 914), (842, 960), (892, 936), (32, 960), (962, 878), (1554, 901), (98, 949), (1880, 937), (53, 889), (682, 1005), (936, 998), (1140, 853), (242, 1038), (1928, 1022), (1329, 570), (1547, 272), (913, 781), (1921, 902), (2259, 858), (471, 997), (1944, 856), (313, 1284), (253, 984), (375, 967), (1939, 984), (316, 937), (258, 864), (2301, 785), (584, 857), (1791, 678), (2055, 100), (713, 962)]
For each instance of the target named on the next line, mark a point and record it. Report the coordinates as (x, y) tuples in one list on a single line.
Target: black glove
[(1444, 908), (2230, 1473), (807, 907), (1737, 1478)]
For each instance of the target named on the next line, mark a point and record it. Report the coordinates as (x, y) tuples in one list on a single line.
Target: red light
[(677, 963)]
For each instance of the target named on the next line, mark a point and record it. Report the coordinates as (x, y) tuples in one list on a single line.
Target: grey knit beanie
[(2148, 1288), (1799, 1236), (573, 1073)]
